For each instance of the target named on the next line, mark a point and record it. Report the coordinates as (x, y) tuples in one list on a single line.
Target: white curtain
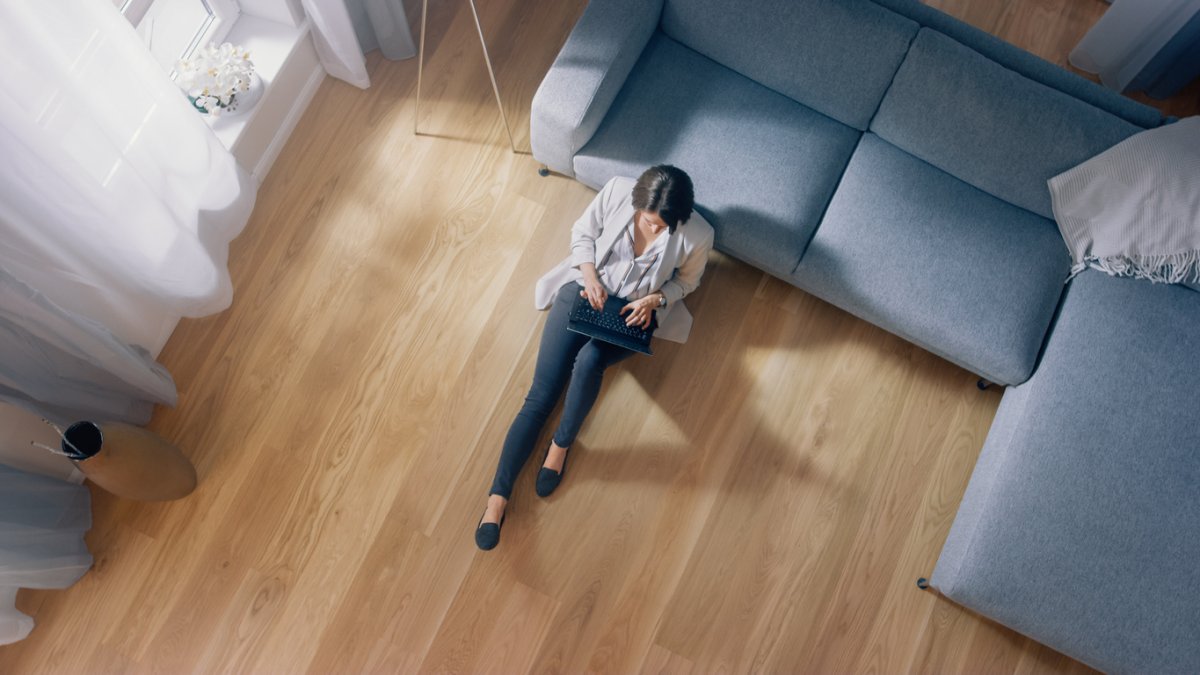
[(382, 25), (42, 523), (117, 205), (1128, 36), (336, 43)]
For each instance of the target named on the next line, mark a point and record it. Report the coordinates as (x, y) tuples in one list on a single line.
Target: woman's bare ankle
[(495, 509), (555, 458)]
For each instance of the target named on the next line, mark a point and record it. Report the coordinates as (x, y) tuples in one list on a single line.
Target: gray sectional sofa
[(1081, 523), (893, 161)]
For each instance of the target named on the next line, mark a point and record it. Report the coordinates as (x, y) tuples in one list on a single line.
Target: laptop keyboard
[(608, 321)]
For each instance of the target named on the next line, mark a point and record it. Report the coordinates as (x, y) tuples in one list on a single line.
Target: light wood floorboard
[(760, 499)]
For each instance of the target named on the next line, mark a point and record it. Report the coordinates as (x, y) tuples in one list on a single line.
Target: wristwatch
[(662, 299)]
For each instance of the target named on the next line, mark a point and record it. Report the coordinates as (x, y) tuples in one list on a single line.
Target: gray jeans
[(566, 360)]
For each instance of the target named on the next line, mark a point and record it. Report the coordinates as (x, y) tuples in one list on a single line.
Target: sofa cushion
[(1081, 524), (1030, 65), (763, 165), (835, 56), (997, 130), (942, 264)]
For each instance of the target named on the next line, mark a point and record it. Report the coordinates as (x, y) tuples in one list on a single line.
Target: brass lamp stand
[(486, 59)]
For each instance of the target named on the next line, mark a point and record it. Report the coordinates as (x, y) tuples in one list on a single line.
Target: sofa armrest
[(586, 76)]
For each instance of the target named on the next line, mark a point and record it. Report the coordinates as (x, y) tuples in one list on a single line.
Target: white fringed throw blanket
[(1134, 209)]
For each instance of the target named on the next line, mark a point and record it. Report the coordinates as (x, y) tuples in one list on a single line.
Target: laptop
[(609, 325)]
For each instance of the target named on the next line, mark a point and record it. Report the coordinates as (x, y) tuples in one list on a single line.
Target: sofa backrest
[(990, 126), (1027, 64), (834, 56)]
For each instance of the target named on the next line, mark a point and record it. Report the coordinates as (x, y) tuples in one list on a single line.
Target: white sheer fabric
[(336, 43), (42, 523), (110, 180), (117, 205), (68, 368), (387, 27), (1129, 34)]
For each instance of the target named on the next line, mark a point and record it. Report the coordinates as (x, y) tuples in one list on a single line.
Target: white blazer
[(683, 261)]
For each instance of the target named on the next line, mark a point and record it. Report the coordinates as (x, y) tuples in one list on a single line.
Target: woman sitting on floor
[(631, 243)]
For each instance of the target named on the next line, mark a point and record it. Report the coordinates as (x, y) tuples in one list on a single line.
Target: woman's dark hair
[(667, 191)]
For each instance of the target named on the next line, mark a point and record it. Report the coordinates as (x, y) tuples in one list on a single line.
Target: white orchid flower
[(214, 74)]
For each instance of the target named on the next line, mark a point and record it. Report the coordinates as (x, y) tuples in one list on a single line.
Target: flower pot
[(218, 104), (129, 461)]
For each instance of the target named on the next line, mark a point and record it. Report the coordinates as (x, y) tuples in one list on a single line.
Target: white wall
[(280, 109), (283, 11)]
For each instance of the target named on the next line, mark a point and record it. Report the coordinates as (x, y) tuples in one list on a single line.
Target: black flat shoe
[(548, 479), (487, 535)]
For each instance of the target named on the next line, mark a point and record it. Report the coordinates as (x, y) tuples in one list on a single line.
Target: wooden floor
[(761, 499)]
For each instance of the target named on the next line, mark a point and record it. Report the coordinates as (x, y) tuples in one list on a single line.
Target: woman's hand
[(593, 290), (641, 312)]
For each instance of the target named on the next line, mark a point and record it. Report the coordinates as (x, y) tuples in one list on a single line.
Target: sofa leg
[(543, 171), (922, 583), (983, 384)]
